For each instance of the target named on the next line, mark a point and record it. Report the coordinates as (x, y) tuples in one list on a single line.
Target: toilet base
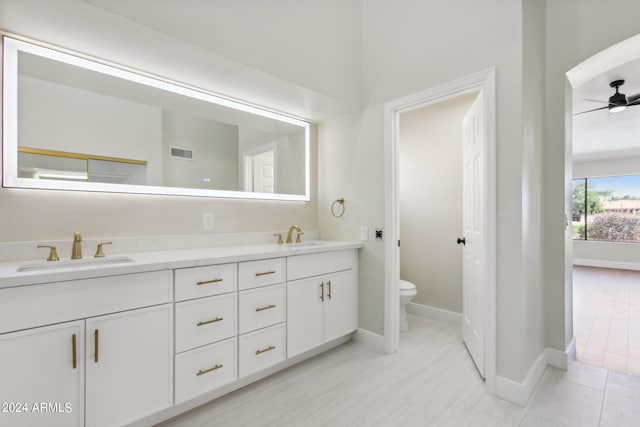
[(404, 323)]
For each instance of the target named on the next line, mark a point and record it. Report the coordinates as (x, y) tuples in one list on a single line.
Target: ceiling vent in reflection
[(181, 153)]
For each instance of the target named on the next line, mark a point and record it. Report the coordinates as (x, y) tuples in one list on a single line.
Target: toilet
[(407, 292)]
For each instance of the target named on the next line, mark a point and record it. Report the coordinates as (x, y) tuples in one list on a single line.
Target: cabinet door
[(39, 383), (129, 371), (304, 315), (339, 305)]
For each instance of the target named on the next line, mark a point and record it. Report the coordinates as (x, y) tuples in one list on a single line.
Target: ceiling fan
[(618, 101)]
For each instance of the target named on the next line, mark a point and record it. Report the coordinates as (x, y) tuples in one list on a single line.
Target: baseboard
[(520, 393), (370, 339), (606, 264), (429, 312)]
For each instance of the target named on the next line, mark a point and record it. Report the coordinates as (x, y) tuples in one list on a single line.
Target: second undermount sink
[(72, 264)]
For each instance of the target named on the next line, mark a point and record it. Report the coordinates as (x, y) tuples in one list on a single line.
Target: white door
[(129, 366), (42, 376), (305, 299), (473, 239), (264, 172)]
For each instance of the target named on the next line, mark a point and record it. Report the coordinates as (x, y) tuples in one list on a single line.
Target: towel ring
[(333, 208)]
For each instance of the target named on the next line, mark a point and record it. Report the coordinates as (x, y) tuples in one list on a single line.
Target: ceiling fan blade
[(597, 100), (633, 100), (588, 111)]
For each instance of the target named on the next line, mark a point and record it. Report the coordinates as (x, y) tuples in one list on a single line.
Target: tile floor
[(606, 313), (431, 382)]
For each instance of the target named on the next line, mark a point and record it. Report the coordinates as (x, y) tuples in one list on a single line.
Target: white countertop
[(159, 260)]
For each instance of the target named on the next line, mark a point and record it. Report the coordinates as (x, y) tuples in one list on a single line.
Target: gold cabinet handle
[(265, 273), (53, 254), (95, 345), (206, 282), (74, 350), (329, 294), (322, 291), (268, 307), (206, 371), (99, 252), (206, 322), (271, 347)]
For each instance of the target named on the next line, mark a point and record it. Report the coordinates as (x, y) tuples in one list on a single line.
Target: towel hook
[(333, 208)]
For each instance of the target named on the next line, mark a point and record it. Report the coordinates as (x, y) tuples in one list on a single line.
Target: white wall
[(32, 215), (575, 31), (411, 46), (606, 254), (430, 197)]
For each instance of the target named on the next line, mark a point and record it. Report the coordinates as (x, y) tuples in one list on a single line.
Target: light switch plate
[(364, 233), (207, 221)]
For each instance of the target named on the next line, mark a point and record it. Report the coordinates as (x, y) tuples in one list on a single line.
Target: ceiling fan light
[(617, 108)]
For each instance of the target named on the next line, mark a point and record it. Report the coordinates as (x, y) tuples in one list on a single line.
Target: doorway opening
[(259, 166), (484, 83), (604, 234)]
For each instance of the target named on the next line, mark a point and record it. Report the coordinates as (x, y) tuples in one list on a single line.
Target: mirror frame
[(12, 45)]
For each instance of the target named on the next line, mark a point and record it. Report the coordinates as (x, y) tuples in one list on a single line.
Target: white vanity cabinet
[(323, 306), (43, 365), (262, 339), (206, 329), (100, 370)]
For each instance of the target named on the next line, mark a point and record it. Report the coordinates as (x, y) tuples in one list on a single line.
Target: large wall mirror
[(71, 123)]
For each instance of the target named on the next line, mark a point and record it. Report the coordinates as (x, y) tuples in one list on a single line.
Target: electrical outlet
[(378, 233), (364, 233), (207, 221)]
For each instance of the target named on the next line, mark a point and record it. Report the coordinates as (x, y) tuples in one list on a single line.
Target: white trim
[(519, 393), (484, 81), (369, 339), (619, 265), (434, 313)]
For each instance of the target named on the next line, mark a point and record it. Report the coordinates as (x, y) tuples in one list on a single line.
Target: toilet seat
[(406, 287)]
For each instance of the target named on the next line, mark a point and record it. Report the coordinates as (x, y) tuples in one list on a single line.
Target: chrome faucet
[(76, 250), (293, 227)]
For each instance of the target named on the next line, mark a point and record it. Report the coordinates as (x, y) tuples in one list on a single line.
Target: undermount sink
[(75, 263)]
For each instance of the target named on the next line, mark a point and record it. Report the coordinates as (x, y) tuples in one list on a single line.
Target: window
[(606, 209)]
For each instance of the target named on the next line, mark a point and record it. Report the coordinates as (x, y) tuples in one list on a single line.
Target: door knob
[(463, 241)]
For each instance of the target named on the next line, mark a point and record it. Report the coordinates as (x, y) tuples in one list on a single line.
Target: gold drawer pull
[(206, 371), (271, 347), (265, 273), (74, 350), (206, 322), (206, 282), (322, 291), (95, 349), (270, 306), (329, 295)]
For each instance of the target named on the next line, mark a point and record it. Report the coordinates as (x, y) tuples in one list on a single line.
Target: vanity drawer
[(197, 282), (252, 274), (205, 320), (30, 306), (310, 265), (204, 369), (261, 349), (261, 307)]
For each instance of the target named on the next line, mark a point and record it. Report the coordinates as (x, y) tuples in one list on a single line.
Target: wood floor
[(431, 382), (606, 318)]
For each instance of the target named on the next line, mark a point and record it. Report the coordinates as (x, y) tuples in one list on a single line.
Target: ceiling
[(600, 134)]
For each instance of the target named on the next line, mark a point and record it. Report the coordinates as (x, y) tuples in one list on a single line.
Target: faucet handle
[(53, 254), (279, 236), (99, 252), (298, 240)]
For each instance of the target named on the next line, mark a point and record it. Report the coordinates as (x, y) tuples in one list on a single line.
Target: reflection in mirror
[(76, 124)]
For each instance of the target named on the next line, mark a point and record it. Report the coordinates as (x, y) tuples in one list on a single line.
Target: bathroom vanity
[(154, 334)]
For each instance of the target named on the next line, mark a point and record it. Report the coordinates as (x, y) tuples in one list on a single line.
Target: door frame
[(485, 82), (247, 156)]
